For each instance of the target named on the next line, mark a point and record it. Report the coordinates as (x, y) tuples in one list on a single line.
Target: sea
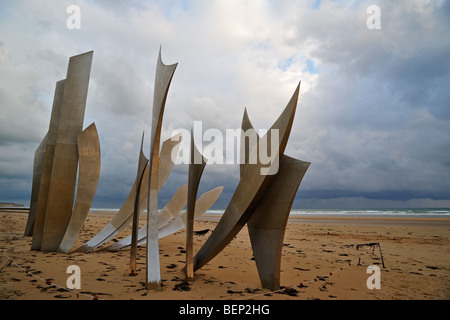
[(406, 212), (410, 212)]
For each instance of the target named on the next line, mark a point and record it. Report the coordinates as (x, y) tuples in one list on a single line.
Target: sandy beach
[(321, 260)]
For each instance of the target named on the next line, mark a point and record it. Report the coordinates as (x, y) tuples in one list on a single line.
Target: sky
[(373, 114)]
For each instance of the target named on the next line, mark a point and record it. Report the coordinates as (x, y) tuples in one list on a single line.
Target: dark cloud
[(373, 114)]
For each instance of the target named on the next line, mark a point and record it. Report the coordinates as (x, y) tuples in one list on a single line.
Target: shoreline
[(359, 220)]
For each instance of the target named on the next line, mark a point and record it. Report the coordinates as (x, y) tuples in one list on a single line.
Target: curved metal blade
[(89, 173), (125, 215), (169, 212), (248, 192)]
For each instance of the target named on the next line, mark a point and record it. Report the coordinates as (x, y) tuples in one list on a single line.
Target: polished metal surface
[(248, 193), (262, 199), (267, 223), (120, 220), (248, 132), (163, 77), (196, 167), (125, 214), (47, 166), (177, 220), (165, 215), (142, 163), (88, 175), (38, 163), (203, 203), (65, 161)]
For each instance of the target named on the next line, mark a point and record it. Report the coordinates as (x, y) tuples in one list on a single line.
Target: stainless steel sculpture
[(267, 210), (163, 77), (38, 219), (203, 203), (37, 174), (175, 204), (267, 223), (89, 172), (53, 202), (65, 161), (246, 145), (248, 193), (196, 167), (142, 163), (125, 215), (170, 218), (118, 223), (151, 182), (262, 201)]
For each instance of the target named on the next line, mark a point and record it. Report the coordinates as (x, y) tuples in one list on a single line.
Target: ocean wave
[(374, 212), (413, 212)]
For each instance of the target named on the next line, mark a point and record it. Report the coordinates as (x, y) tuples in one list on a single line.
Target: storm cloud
[(373, 115)]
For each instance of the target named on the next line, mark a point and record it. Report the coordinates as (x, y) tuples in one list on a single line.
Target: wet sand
[(320, 261)]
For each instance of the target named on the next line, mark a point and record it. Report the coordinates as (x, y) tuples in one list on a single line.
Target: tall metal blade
[(163, 77)]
